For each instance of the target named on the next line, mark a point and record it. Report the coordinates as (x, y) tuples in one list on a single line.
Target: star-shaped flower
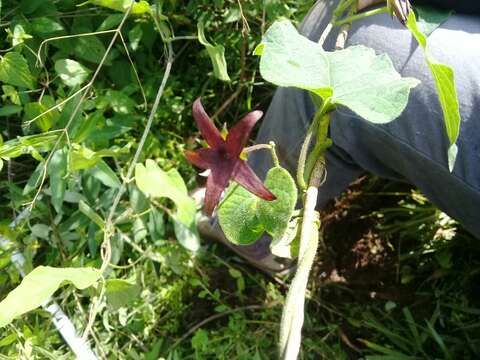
[(222, 157)]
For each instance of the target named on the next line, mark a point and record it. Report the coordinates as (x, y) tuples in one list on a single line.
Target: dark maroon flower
[(222, 157)]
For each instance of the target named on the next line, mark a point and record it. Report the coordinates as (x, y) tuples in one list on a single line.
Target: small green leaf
[(90, 48), (38, 286), (135, 36), (110, 22), (444, 78), (45, 26), (7, 110), (355, 77), (57, 172), (244, 217), (156, 183), (48, 119), (106, 175), (121, 292), (82, 157), (71, 72), (40, 231), (430, 18), (216, 53), (14, 70), (90, 213), (19, 35), (139, 7)]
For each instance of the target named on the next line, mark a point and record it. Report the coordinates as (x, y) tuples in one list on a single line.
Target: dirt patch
[(355, 253)]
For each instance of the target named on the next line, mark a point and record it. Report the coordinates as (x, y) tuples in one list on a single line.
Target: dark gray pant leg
[(411, 148)]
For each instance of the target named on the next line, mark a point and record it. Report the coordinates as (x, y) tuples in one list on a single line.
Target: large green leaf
[(156, 183), (244, 217), (447, 94), (38, 286), (216, 53), (355, 77), (72, 73), (14, 70)]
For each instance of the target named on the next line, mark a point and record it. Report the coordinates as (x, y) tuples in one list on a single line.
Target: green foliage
[(121, 292), (444, 78), (37, 287), (71, 72), (354, 77), (156, 183), (244, 217), (430, 18), (216, 53), (14, 70), (140, 7)]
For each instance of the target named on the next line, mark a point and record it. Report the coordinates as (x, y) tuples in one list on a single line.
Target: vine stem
[(293, 311), (109, 228), (362, 15)]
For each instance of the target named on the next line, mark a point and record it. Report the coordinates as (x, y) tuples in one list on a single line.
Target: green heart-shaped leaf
[(244, 217), (355, 77)]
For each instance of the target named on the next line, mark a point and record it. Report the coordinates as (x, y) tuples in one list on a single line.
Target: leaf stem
[(275, 160), (302, 158), (362, 15)]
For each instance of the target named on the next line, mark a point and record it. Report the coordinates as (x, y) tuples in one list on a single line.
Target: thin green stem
[(302, 159), (275, 160), (362, 15), (322, 143)]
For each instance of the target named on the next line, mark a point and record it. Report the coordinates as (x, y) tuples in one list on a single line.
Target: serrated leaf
[(216, 53), (38, 286), (57, 172), (355, 77), (14, 70), (156, 183), (72, 73), (244, 217), (444, 78)]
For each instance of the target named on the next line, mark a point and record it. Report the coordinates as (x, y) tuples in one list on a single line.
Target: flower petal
[(238, 135), (216, 183), (244, 175), (203, 158), (206, 126)]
